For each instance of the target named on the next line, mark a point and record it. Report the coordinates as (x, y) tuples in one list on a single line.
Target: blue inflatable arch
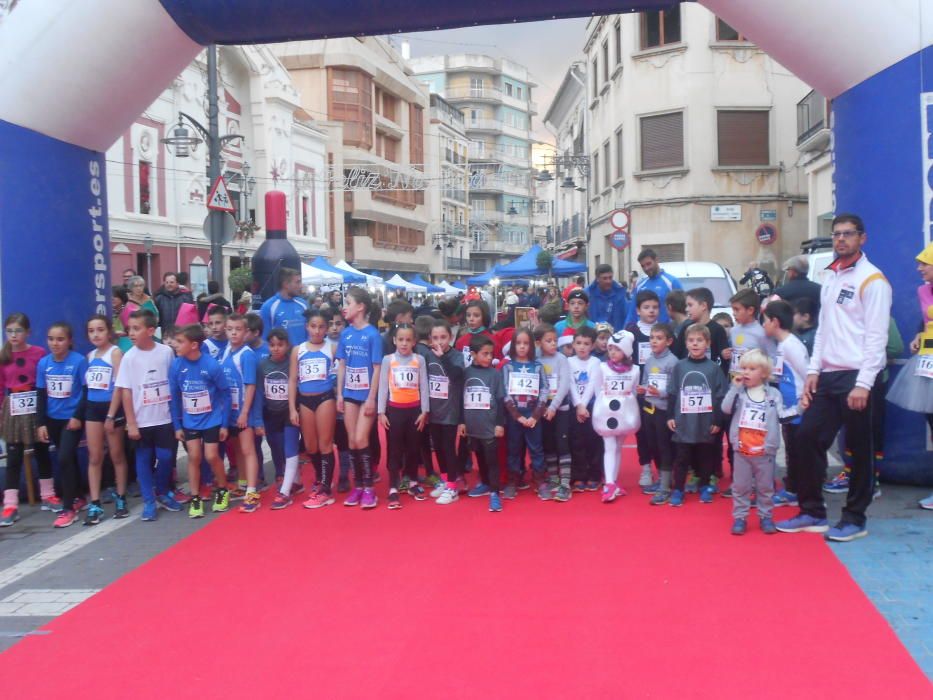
[(74, 75)]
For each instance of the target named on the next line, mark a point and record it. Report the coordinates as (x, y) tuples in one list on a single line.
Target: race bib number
[(615, 385), (234, 398), (467, 357), (524, 384), (155, 393), (696, 401), (551, 385), (644, 352), (312, 369), (439, 387), (734, 365), (196, 402), (477, 399), (925, 367), (778, 365), (98, 377), (404, 378), (753, 418), (658, 381), (276, 389), (23, 403), (357, 378), (58, 386)]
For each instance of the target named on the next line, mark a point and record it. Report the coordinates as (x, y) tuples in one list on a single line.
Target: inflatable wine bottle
[(275, 253)]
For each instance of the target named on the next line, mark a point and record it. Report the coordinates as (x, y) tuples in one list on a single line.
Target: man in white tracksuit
[(848, 355)]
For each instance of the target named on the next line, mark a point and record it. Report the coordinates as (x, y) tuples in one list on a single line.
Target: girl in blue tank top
[(103, 417)]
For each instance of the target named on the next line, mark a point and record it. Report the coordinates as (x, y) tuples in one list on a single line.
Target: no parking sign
[(766, 234), (620, 220)]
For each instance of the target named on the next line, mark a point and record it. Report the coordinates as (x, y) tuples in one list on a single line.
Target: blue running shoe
[(150, 511), (651, 488), (480, 489), (784, 498), (803, 523), (168, 502), (677, 498), (838, 484), (845, 532), (767, 526), (739, 526), (495, 503), (707, 493)]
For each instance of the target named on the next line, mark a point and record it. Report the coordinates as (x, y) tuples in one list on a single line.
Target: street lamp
[(249, 185), (182, 143), (147, 244)]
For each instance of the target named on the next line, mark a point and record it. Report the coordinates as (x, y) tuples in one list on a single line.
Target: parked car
[(819, 252), (711, 275)]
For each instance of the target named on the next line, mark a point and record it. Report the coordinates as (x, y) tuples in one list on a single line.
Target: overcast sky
[(545, 48)]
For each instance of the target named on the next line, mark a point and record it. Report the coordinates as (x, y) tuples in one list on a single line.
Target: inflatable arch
[(74, 75)]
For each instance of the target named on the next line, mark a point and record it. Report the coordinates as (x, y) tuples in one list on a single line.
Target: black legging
[(66, 446), (14, 463), (404, 443), (444, 438)]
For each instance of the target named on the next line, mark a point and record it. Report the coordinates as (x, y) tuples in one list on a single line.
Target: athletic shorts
[(357, 402), (313, 401), (158, 436), (209, 435), (96, 412)]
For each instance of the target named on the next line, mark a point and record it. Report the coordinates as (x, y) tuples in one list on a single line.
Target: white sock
[(291, 471)]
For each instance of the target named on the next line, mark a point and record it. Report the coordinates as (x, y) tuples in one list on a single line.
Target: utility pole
[(213, 166)]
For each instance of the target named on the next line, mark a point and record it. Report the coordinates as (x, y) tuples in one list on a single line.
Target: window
[(606, 61), (475, 115), (477, 87), (416, 136), (607, 165), (619, 171), (518, 92), (305, 215), (595, 78), (669, 252), (660, 27), (596, 172), (726, 33), (508, 89), (349, 100), (743, 137), (618, 41), (145, 200), (662, 141)]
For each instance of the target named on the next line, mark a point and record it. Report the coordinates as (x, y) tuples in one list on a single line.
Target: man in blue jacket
[(657, 281), (607, 299)]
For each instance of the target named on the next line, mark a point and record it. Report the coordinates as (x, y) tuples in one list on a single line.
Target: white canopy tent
[(449, 289), (397, 282), (371, 280), (316, 276)]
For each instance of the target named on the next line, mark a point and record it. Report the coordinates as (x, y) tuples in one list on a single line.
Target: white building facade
[(693, 129)]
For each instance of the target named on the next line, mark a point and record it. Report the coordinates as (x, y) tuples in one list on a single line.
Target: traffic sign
[(619, 240), (226, 223), (620, 219), (219, 198), (766, 234)]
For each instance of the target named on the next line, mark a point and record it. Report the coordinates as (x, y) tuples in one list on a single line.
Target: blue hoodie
[(607, 307), (660, 284)]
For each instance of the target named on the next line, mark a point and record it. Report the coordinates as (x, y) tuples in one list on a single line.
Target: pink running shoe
[(321, 499), (369, 499), (354, 498), (65, 518), (611, 492), (280, 502)]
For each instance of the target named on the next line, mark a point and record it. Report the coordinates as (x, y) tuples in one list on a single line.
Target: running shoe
[(404, 484), (53, 504), (784, 498), (646, 476), (280, 502), (563, 494), (150, 511), (838, 484), (714, 483), (579, 486), (237, 493), (651, 488), (767, 526), (251, 502), (221, 501), (120, 508), (447, 497), (926, 503), (611, 492), (168, 502), (544, 492), (65, 518), (845, 532), (677, 498), (495, 503), (394, 502), (93, 515), (79, 504), (706, 494), (368, 499), (803, 523), (356, 495), (739, 526), (438, 490), (10, 516), (433, 480), (522, 485), (181, 497), (693, 484), (510, 491), (660, 498), (480, 489), (196, 508), (319, 500), (877, 492), (416, 492)]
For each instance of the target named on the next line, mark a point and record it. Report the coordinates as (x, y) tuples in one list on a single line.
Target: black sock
[(326, 462), (366, 463)]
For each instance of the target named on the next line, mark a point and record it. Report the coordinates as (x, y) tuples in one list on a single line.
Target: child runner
[(200, 404), (755, 429), (103, 418), (556, 428), (524, 380), (312, 405), (578, 303), (239, 364), (445, 391), (18, 362), (483, 414), (279, 426), (60, 387), (647, 306), (477, 319), (603, 332), (216, 342), (585, 446), (695, 392), (403, 410), (655, 379), (615, 412), (143, 380), (359, 354), (424, 325)]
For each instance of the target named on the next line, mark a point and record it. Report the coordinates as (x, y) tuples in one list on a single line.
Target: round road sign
[(766, 234), (619, 219), (619, 240)]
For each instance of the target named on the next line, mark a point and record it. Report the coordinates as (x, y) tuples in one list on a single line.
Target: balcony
[(490, 94), (491, 244), (499, 184), (813, 133), (463, 265), (569, 229)]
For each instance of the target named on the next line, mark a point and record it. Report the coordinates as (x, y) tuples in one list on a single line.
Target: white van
[(711, 275)]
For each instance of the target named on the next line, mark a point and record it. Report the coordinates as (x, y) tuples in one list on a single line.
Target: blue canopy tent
[(527, 266), (564, 268), (484, 278), (348, 277), (421, 282), (458, 284)]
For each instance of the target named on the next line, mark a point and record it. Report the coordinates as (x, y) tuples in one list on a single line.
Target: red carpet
[(543, 600)]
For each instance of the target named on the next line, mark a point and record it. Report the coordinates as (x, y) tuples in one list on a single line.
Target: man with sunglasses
[(848, 355)]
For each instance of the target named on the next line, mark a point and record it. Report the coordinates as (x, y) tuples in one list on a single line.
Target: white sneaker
[(448, 497), (646, 478), (927, 503), (438, 490)]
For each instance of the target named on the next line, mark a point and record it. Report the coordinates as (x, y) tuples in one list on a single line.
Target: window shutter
[(662, 141), (669, 252), (743, 138)]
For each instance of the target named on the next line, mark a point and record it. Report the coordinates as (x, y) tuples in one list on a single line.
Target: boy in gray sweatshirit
[(484, 414), (756, 435)]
